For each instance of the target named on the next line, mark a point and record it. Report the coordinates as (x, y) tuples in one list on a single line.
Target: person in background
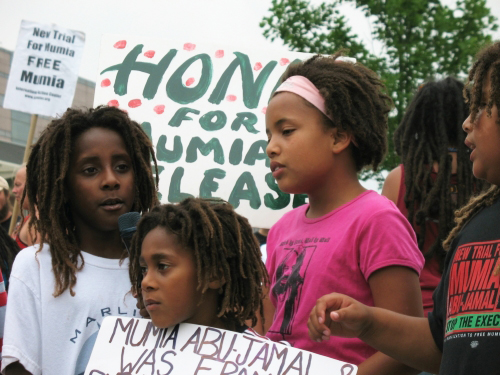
[(435, 177), (5, 207), (22, 234), (8, 251)]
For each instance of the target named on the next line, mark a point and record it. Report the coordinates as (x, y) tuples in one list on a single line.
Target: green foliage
[(421, 39)]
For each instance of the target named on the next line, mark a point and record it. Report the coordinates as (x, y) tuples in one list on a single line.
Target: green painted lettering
[(299, 200), (213, 120), (281, 201), (130, 63), (146, 126), (205, 148), (236, 152), (208, 185), (178, 92), (239, 192), (257, 151), (181, 115), (247, 119), (170, 156), (174, 192), (252, 90)]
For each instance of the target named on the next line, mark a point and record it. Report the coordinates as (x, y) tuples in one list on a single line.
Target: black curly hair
[(355, 99)]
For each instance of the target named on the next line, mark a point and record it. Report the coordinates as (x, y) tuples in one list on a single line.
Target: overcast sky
[(229, 22)]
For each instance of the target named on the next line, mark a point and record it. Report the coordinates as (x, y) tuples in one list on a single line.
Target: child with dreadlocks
[(460, 336), (326, 121), (197, 262), (86, 169), (435, 177)]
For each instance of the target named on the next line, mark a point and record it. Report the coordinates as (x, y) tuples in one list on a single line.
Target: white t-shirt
[(55, 336)]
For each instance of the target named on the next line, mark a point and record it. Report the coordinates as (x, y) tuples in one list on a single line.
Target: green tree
[(421, 39)]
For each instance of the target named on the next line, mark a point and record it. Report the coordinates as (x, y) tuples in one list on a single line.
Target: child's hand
[(339, 315)]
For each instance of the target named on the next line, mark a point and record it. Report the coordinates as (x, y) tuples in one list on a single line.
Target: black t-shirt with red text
[(465, 322)]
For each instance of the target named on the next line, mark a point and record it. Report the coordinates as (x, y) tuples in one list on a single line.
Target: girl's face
[(483, 138), (299, 147), (100, 181), (170, 283)]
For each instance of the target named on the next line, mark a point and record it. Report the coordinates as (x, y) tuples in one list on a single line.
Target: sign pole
[(27, 151)]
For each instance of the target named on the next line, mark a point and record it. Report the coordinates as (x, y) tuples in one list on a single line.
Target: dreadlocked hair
[(8, 251), (223, 246), (487, 60), (355, 99), (46, 175), (466, 213), (433, 123)]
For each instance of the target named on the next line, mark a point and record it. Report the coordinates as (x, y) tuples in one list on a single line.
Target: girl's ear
[(341, 140), (216, 283)]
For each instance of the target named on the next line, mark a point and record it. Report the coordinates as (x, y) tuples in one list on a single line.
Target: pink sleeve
[(388, 240)]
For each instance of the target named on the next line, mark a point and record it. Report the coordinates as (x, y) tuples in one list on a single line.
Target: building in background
[(15, 125)]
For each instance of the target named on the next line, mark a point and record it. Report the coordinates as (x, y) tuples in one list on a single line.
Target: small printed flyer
[(44, 69)]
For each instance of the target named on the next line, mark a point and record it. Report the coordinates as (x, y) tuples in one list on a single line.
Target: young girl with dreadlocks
[(460, 336), (86, 169), (435, 176), (198, 262), (325, 122)]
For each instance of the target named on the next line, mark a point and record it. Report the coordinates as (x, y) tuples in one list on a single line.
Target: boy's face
[(100, 181), (483, 138), (170, 283)]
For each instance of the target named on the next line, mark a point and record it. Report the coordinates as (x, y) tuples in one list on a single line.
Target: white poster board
[(135, 346), (204, 108), (44, 69)]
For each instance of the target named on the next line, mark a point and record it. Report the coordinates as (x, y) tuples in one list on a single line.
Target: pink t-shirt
[(308, 258)]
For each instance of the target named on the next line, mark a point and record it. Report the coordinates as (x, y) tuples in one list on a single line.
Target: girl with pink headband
[(327, 121)]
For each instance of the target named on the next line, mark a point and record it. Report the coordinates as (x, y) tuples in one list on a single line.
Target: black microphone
[(127, 224)]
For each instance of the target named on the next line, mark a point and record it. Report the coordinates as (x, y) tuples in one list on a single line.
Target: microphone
[(127, 224)]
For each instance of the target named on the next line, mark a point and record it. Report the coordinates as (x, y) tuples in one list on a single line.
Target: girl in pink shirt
[(327, 121)]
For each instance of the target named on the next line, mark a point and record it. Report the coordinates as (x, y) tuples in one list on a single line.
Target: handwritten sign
[(204, 109), (44, 69), (135, 346)]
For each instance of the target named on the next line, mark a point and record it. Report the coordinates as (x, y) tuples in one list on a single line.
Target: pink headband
[(304, 88)]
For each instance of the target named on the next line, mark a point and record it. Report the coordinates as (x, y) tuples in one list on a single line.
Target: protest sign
[(203, 106), (44, 69), (135, 346)]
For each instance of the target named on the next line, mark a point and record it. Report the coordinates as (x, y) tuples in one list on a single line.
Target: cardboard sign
[(44, 69), (135, 346), (204, 109)]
